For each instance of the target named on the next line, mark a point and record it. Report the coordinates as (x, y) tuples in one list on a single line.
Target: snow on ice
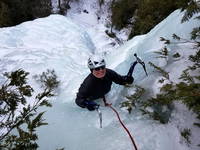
[(55, 42)]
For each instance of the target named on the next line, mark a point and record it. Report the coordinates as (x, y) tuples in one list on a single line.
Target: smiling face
[(99, 72)]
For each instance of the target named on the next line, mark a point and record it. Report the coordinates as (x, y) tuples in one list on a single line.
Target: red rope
[(124, 127), (109, 105)]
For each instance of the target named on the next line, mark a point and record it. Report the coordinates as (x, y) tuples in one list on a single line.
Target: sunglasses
[(99, 68)]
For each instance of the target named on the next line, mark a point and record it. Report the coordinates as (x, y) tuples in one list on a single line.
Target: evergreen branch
[(22, 120), (197, 124), (195, 33), (198, 17), (133, 99), (164, 73), (182, 40), (192, 8), (186, 77), (12, 97), (166, 41), (163, 53), (176, 37)]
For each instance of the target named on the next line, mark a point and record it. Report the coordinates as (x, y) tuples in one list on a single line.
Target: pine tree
[(134, 99), (24, 10), (188, 90), (191, 8), (64, 5), (18, 114), (4, 15), (122, 12), (151, 12)]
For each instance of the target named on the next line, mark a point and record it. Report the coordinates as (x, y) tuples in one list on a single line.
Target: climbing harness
[(110, 105)]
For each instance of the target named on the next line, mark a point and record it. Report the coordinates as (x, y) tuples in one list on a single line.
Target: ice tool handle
[(100, 116), (138, 60)]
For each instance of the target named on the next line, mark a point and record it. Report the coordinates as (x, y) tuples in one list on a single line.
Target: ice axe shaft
[(138, 60), (100, 117), (130, 72), (141, 62)]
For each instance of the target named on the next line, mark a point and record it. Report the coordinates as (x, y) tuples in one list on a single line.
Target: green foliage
[(4, 14), (189, 95), (122, 12), (133, 99), (176, 37), (165, 40), (186, 77), (163, 53), (186, 134), (151, 12), (196, 59), (60, 149), (101, 2), (162, 105), (197, 124), (40, 8), (18, 11), (110, 34), (48, 80), (18, 114), (177, 55), (187, 92), (160, 70), (195, 33), (64, 5), (191, 8)]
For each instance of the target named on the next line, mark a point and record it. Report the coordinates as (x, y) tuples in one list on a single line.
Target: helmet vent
[(96, 61)]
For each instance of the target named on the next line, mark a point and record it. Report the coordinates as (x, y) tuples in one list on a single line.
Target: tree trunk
[(59, 4)]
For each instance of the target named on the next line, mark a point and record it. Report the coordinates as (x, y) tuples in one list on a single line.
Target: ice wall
[(57, 43)]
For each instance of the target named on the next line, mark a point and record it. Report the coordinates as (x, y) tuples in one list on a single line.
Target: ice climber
[(98, 83)]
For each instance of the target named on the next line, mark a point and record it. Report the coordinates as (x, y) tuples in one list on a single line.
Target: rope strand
[(132, 140)]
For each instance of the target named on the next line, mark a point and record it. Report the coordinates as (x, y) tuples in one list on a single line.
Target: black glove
[(90, 105), (128, 79)]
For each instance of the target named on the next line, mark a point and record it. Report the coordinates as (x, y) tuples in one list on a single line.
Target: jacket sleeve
[(80, 102), (82, 95), (118, 79)]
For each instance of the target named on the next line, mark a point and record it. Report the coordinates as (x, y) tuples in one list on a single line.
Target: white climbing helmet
[(96, 61)]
